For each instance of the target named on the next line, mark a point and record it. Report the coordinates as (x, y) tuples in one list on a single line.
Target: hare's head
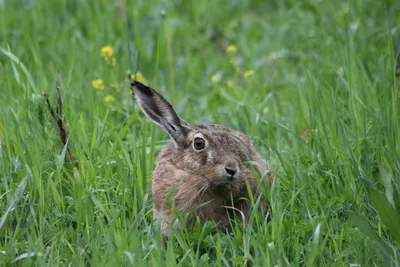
[(215, 152)]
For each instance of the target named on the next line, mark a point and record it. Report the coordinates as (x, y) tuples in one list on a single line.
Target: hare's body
[(182, 178), (206, 170)]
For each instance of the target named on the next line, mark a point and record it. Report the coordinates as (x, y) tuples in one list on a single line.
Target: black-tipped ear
[(160, 111)]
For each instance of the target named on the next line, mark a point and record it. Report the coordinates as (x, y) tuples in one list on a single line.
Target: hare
[(205, 169)]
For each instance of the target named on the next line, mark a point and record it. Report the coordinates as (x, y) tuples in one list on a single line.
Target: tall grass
[(320, 99)]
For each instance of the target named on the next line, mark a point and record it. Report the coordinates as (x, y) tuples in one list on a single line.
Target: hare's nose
[(231, 167), (230, 171)]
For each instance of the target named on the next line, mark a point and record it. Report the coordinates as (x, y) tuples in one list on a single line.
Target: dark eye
[(199, 143)]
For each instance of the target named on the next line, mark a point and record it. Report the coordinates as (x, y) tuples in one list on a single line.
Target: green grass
[(326, 66)]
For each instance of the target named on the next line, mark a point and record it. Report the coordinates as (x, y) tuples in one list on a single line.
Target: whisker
[(189, 202), (194, 185)]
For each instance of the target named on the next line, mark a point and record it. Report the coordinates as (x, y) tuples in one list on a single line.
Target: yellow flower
[(216, 77), (109, 98), (107, 51), (139, 77), (229, 83), (98, 84), (248, 73), (231, 49)]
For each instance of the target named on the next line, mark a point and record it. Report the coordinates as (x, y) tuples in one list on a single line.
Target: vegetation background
[(313, 82)]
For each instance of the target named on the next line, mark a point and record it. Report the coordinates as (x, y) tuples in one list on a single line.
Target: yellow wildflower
[(107, 51), (98, 84), (216, 77), (231, 49), (109, 98), (229, 83), (248, 73), (139, 77)]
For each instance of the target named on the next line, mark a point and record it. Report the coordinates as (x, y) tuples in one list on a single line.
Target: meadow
[(314, 83)]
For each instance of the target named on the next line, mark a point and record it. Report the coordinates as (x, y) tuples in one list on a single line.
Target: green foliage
[(388, 208), (313, 83)]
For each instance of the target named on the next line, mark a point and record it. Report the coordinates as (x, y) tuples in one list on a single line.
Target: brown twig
[(49, 105), (62, 129), (60, 122)]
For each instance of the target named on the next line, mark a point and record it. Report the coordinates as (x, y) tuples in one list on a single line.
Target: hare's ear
[(161, 112)]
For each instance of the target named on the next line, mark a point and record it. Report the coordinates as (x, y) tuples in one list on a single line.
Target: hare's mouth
[(226, 177), (231, 177)]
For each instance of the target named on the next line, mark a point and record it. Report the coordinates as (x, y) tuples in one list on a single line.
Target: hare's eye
[(199, 143)]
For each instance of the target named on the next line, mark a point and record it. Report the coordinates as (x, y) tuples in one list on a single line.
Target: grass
[(326, 67)]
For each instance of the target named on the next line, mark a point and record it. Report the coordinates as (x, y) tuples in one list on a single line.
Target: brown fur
[(195, 180), (183, 173)]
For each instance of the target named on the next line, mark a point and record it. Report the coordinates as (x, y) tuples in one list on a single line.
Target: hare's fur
[(197, 180)]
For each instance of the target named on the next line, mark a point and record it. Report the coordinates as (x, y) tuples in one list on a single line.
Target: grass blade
[(17, 196), (389, 215), (366, 228)]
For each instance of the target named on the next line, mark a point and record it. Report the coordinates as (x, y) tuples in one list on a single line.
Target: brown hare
[(205, 169)]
